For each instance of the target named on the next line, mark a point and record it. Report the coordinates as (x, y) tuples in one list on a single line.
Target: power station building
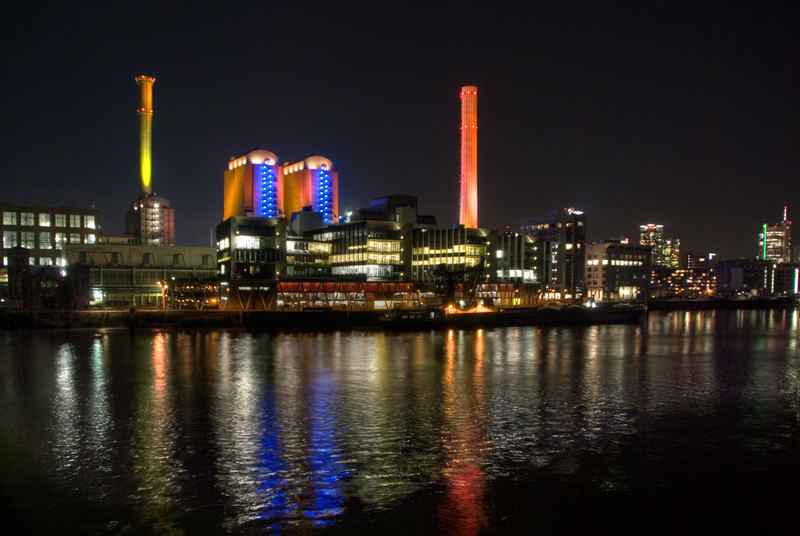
[(150, 220), (256, 185)]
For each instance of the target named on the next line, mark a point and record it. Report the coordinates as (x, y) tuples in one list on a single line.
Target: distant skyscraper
[(666, 251), (775, 242), (468, 216), (149, 219), (652, 234), (672, 252)]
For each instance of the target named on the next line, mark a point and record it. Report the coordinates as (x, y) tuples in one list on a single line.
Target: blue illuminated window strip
[(324, 196), (266, 188)]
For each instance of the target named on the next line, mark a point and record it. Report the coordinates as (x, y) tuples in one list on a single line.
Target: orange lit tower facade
[(255, 185), (469, 157), (149, 219), (312, 182)]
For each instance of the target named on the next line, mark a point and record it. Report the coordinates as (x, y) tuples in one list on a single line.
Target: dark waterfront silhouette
[(688, 421)]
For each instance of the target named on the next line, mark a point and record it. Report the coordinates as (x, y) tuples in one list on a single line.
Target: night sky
[(681, 114)]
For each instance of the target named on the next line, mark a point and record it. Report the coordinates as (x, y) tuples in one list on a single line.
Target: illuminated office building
[(367, 250), (565, 231), (616, 271), (150, 219), (250, 247), (519, 258), (43, 232), (463, 253), (775, 241)]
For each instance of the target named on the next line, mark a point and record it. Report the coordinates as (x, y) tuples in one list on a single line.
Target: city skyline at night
[(672, 116)]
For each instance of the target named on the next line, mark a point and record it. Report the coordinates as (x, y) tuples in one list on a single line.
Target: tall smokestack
[(145, 113), (469, 157)]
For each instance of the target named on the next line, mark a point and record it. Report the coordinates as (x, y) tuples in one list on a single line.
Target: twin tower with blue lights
[(257, 185)]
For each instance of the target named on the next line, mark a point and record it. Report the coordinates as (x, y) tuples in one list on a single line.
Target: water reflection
[(153, 444), (243, 432), (464, 443)]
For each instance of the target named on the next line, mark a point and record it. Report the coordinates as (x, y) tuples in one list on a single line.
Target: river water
[(687, 421)]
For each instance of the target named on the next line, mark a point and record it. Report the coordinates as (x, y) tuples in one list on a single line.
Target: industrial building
[(565, 230), (256, 185), (120, 275), (150, 220)]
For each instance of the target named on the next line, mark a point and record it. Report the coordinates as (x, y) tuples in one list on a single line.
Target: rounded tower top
[(469, 90)]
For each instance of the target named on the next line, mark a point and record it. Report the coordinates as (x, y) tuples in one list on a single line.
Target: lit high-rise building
[(775, 241), (652, 234), (666, 251), (150, 220)]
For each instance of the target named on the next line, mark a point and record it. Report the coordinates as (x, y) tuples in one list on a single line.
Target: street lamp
[(163, 286)]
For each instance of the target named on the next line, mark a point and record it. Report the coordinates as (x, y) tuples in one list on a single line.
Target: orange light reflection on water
[(463, 511)]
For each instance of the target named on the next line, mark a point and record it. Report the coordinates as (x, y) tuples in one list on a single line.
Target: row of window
[(47, 240), (45, 219), (42, 261)]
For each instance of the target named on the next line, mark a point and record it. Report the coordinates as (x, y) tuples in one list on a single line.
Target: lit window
[(26, 218), (89, 220), (61, 238), (74, 220), (27, 239), (9, 239), (45, 240), (9, 218), (61, 220), (91, 238), (44, 220), (74, 238)]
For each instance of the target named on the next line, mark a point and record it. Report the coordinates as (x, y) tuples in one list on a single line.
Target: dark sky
[(681, 114)]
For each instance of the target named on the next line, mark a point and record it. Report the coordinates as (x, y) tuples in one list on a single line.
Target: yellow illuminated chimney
[(145, 113)]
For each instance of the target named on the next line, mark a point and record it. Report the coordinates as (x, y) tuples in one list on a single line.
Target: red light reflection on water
[(463, 511)]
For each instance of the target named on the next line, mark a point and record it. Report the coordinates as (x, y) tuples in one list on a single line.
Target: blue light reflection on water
[(311, 431)]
